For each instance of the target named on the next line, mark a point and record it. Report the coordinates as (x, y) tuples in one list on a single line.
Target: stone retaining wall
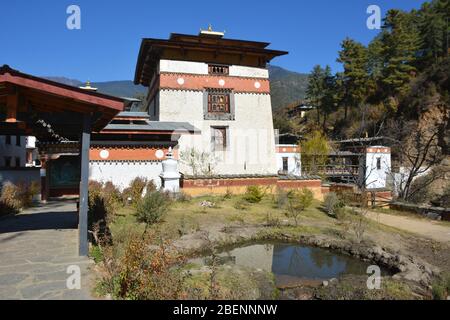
[(443, 213)]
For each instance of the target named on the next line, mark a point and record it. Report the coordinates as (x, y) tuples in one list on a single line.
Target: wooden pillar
[(44, 180), (84, 183)]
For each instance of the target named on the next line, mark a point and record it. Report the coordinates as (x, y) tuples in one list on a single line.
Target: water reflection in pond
[(292, 263)]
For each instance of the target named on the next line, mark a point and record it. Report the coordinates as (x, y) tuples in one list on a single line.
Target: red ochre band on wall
[(129, 154), (201, 82)]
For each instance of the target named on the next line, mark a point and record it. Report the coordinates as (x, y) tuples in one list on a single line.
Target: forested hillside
[(397, 87), (400, 76)]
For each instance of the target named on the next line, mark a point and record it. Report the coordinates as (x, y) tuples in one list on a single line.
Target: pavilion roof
[(34, 95)]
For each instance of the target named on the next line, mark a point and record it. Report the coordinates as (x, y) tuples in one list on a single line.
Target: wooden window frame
[(224, 145), (218, 70), (214, 106), (378, 163), (285, 162)]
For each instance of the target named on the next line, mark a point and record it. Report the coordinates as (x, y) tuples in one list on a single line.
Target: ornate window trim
[(208, 114)]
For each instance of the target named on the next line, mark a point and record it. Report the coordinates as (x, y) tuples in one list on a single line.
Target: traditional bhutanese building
[(220, 86)]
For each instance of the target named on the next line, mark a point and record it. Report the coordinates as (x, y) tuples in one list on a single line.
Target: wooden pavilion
[(56, 114)]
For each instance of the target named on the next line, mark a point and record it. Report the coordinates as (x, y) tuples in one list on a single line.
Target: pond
[(292, 264)]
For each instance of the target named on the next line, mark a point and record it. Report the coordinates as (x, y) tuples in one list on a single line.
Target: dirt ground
[(435, 230)]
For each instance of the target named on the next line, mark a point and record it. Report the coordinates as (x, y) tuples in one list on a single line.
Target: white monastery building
[(219, 86)]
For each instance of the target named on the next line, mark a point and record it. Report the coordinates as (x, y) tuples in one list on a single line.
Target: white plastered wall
[(294, 162), (251, 142), (122, 173), (377, 178), (189, 67)]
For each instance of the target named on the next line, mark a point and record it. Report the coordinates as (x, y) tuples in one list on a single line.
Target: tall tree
[(315, 89), (354, 58), (433, 25), (315, 150), (401, 41), (329, 97)]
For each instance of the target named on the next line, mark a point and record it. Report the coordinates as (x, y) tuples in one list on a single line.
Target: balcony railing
[(333, 170)]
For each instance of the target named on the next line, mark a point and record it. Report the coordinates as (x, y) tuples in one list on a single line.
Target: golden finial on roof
[(88, 86), (210, 32)]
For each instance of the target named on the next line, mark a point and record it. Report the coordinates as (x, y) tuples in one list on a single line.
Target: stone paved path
[(36, 248), (427, 228)]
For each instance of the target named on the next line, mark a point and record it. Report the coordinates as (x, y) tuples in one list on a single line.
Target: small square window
[(215, 69), (17, 162)]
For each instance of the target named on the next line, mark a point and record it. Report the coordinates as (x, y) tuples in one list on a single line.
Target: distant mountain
[(70, 82), (123, 88), (286, 86)]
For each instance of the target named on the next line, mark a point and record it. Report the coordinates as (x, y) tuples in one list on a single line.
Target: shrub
[(241, 205), (183, 197), (11, 198), (332, 204), (441, 287), (35, 189), (104, 202), (254, 194), (153, 207), (112, 198), (228, 195), (142, 273), (306, 198), (136, 190), (298, 202)]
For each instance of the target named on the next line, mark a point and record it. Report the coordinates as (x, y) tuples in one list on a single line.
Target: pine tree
[(433, 26), (401, 41), (315, 89), (329, 97), (354, 58)]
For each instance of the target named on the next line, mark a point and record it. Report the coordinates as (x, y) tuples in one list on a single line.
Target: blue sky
[(35, 38)]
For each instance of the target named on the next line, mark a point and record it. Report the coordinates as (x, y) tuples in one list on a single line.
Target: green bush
[(254, 194), (298, 202), (104, 202), (306, 198), (153, 207), (112, 198), (136, 189), (241, 205), (332, 204), (441, 287)]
